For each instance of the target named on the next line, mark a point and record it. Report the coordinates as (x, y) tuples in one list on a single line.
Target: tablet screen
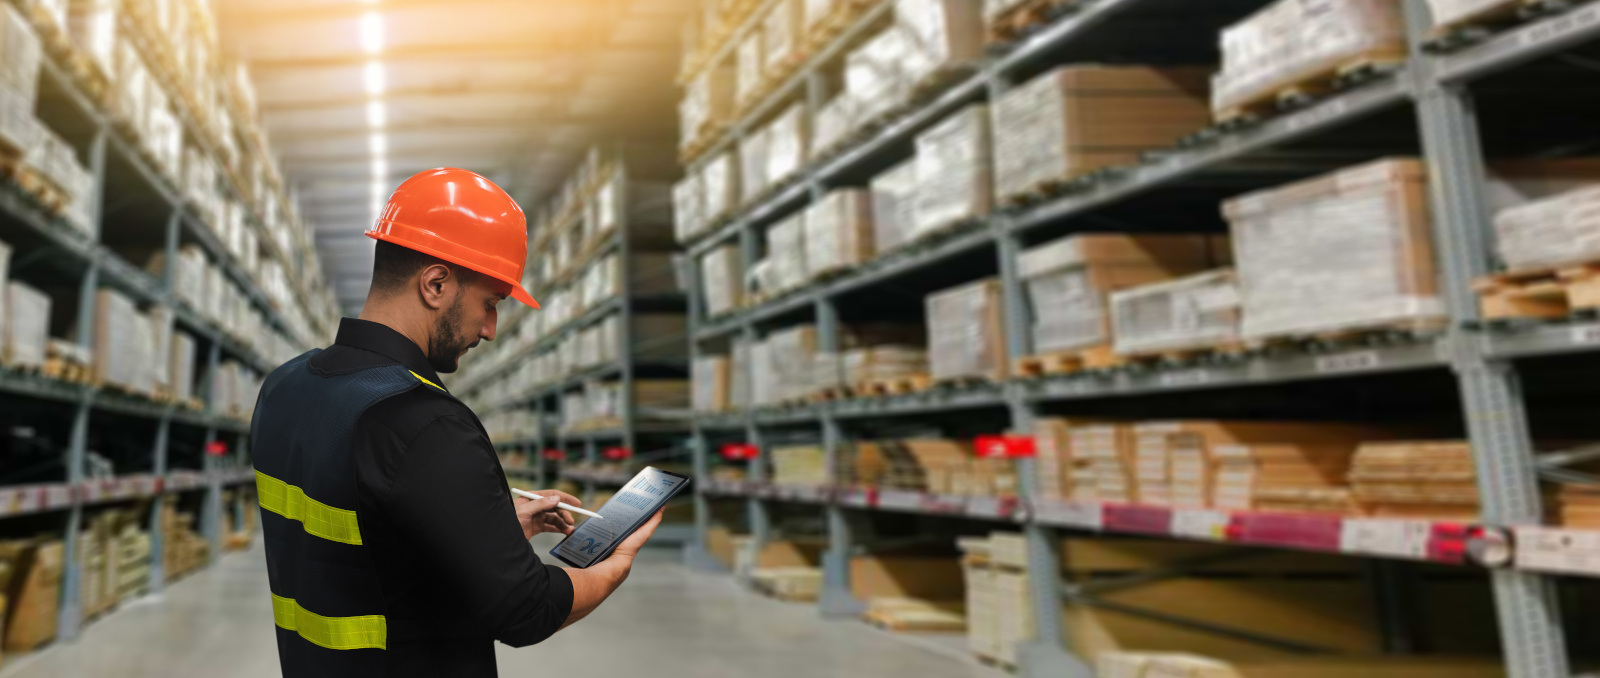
[(625, 512)]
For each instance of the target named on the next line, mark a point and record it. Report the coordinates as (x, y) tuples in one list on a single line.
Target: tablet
[(624, 513)]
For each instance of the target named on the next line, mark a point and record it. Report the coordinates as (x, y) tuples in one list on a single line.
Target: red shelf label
[(555, 455), (740, 452), (217, 448), (1308, 531), (1153, 520), (616, 453), (1005, 447)]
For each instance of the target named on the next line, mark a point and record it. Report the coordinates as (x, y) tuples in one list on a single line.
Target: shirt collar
[(385, 341)]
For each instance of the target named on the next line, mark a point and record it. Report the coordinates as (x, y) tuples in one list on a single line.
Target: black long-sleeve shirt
[(436, 512)]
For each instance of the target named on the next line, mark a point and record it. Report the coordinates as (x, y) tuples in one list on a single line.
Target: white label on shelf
[(1201, 524), (1561, 26), (1186, 377), (8, 502), (1080, 514), (1558, 551), (1349, 362), (986, 507), (1586, 334), (1386, 537), (58, 496), (897, 499)]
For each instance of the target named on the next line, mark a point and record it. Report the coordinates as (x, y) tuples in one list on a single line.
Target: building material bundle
[(954, 172), (1246, 464), (966, 333), (894, 207), (876, 76), (722, 278), (1078, 119), (751, 59), (788, 144), (1056, 466), (1349, 251), (1282, 476), (1552, 232), (802, 465), (720, 180), (839, 232), (711, 383), (1108, 449), (943, 35), (1455, 12), (184, 550), (1577, 507), (905, 464), (1304, 42), (786, 268), (1068, 280), (688, 206), (1197, 312), (127, 344), (1427, 479), (782, 365), (782, 35), (967, 476), (870, 353), (753, 180)]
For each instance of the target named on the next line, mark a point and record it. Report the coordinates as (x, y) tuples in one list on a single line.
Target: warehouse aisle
[(673, 624)]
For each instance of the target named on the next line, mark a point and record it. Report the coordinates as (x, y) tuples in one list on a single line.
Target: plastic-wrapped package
[(838, 231), (180, 366), (752, 62), (688, 206), (720, 180), (1197, 312), (122, 342), (711, 384), (741, 365), (781, 34), (836, 121), (943, 34), (954, 172), (708, 101), (787, 143), (1078, 119), (722, 277), (875, 74), (1352, 250), (19, 128), (966, 333), (93, 27), (5, 274), (27, 325), (20, 54), (1068, 280), (894, 205), (1294, 40), (791, 356), (786, 252), (753, 178), (1552, 232)]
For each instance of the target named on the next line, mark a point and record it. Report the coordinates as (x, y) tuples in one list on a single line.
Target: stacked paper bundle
[(786, 254), (1068, 280), (1109, 451), (1198, 312), (1348, 251), (1552, 232), (838, 232), (1428, 479), (1079, 119), (894, 206), (722, 278), (954, 168), (804, 465), (788, 142), (1293, 41), (944, 34), (966, 333), (26, 326)]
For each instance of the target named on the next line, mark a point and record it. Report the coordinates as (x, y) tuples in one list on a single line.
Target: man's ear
[(434, 285)]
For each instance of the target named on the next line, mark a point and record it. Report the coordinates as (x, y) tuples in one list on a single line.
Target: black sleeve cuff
[(548, 616)]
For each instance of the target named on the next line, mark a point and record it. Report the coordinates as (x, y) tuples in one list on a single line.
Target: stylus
[(563, 505)]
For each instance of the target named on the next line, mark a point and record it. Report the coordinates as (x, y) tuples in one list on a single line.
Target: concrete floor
[(678, 624)]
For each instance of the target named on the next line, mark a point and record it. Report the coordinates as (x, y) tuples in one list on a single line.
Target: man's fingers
[(561, 496), (566, 516)]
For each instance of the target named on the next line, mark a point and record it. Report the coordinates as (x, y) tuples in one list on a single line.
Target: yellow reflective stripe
[(334, 633), (319, 519), (425, 381)]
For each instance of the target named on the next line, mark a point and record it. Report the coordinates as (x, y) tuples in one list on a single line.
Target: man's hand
[(630, 546), (542, 516)]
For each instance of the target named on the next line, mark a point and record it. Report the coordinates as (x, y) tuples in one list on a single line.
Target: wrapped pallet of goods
[(722, 279), (966, 333), (782, 38), (688, 207), (786, 256), (834, 124), (753, 178), (876, 76), (751, 58), (1416, 479), (1068, 282), (945, 35), (708, 103), (788, 141), (20, 132), (1295, 44), (711, 383), (894, 207), (1076, 120), (180, 366), (720, 182), (1374, 217), (839, 232), (1196, 313), (26, 331), (954, 168), (57, 163), (868, 355)]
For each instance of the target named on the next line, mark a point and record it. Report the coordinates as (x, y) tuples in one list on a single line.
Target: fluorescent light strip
[(378, 144), (377, 115), (376, 78), (372, 32)]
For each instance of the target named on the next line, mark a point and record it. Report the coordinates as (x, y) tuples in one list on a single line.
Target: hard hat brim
[(522, 295)]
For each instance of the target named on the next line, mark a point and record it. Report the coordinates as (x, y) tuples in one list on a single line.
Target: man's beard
[(448, 342)]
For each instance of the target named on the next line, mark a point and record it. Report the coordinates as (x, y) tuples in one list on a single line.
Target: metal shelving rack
[(545, 400), (95, 265), (1438, 87)]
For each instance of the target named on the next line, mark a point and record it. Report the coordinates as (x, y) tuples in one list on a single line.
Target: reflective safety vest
[(326, 599)]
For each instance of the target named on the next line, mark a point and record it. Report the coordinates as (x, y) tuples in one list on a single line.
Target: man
[(394, 547)]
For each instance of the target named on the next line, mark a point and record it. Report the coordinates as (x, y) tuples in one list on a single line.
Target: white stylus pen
[(564, 505)]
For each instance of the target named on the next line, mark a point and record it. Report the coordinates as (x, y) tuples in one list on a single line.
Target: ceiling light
[(380, 169), (376, 78), (377, 114), (372, 32), (378, 143)]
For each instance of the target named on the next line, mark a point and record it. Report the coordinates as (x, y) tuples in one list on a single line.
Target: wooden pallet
[(884, 388), (1022, 20), (1069, 362), (1228, 351), (1303, 91), (1543, 294), (1375, 334), (1489, 20), (43, 193), (910, 615)]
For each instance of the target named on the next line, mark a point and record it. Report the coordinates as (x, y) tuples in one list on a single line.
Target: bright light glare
[(380, 169), (376, 78), (378, 144), (377, 114), (372, 32)]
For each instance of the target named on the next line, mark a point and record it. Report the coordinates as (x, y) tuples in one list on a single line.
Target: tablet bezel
[(635, 528)]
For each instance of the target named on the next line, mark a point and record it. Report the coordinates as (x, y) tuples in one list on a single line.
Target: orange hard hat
[(462, 218)]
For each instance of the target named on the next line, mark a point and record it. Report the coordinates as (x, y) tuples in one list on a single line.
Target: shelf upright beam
[(625, 338), (760, 522), (698, 553), (70, 619), (1526, 603), (211, 510), (836, 601), (591, 455), (158, 468)]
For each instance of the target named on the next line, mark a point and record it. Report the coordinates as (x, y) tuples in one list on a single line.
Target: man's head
[(458, 307), (451, 246)]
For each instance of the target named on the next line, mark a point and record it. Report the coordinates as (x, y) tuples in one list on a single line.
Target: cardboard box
[(954, 172), (35, 592), (27, 326), (839, 232), (1196, 312), (722, 277), (712, 383), (943, 34), (1293, 41), (966, 333), (894, 207)]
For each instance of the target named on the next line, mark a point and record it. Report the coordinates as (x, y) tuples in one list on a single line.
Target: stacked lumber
[(1109, 451), (1282, 477), (1422, 479), (1577, 506), (804, 465)]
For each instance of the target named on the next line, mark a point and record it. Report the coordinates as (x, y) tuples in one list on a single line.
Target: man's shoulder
[(412, 411)]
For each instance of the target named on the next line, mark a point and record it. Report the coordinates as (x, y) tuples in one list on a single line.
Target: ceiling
[(357, 95)]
